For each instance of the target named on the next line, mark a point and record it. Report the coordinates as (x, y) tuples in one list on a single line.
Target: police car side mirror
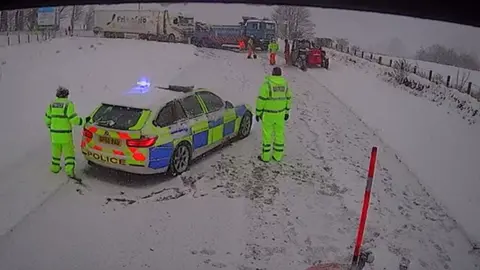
[(228, 105), (88, 118)]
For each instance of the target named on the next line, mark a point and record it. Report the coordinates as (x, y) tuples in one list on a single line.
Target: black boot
[(254, 56), (260, 158), (249, 57)]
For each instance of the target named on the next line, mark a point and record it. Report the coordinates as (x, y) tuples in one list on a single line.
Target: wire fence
[(458, 82), (17, 38)]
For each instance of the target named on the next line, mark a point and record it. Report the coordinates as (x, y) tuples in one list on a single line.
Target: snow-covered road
[(229, 211), (434, 131)]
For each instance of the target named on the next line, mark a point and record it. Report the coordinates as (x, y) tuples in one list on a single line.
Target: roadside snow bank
[(437, 145), (93, 70), (443, 70), (461, 103)]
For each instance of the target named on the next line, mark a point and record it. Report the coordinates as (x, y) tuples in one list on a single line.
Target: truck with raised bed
[(228, 36)]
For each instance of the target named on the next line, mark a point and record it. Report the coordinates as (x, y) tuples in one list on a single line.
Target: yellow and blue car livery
[(147, 139)]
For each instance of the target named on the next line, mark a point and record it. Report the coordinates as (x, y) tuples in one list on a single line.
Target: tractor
[(304, 55)]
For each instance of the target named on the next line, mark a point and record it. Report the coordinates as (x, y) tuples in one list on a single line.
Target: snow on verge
[(465, 105), (231, 211), (440, 148), (93, 70)]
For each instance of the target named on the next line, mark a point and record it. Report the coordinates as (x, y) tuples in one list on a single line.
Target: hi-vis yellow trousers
[(68, 151)]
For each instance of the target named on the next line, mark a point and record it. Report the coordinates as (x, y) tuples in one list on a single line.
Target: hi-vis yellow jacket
[(60, 117), (275, 97), (273, 47)]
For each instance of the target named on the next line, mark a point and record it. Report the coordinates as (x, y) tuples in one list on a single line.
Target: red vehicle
[(304, 55), (317, 58)]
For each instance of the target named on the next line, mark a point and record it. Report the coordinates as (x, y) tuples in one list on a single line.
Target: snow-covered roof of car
[(146, 98)]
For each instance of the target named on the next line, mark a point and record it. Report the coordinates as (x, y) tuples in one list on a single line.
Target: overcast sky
[(369, 30)]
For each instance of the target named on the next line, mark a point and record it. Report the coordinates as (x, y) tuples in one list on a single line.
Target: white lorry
[(144, 24)]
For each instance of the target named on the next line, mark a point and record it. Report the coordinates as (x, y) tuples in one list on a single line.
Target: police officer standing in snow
[(60, 117), (273, 109)]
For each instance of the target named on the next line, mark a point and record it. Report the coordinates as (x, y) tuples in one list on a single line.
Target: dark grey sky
[(368, 30)]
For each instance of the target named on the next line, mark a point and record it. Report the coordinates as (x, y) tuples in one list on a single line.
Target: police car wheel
[(245, 126), (180, 159)]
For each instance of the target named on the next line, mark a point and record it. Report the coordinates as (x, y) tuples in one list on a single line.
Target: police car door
[(215, 115), (174, 117), (197, 123)]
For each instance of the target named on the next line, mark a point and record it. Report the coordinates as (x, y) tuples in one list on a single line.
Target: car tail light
[(87, 133), (142, 142)]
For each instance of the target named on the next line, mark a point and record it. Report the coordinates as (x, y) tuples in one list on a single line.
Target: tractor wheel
[(326, 63), (194, 41)]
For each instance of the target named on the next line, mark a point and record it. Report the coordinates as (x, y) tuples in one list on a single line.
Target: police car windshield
[(117, 117)]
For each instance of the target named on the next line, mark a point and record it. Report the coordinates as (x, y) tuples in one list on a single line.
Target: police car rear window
[(117, 117)]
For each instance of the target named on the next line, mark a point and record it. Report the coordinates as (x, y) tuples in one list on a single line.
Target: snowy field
[(229, 211), (443, 70), (437, 140)]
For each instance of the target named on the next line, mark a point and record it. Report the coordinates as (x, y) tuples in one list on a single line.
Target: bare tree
[(76, 15), (297, 22), (343, 42), (401, 69), (62, 14), (89, 18), (19, 20), (324, 42), (31, 18), (3, 21), (446, 56), (11, 20), (462, 80)]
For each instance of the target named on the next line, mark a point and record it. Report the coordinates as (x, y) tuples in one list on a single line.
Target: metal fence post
[(448, 81), (430, 75), (469, 88)]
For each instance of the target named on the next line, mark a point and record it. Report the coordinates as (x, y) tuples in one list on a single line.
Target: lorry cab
[(186, 23), (219, 36), (263, 30)]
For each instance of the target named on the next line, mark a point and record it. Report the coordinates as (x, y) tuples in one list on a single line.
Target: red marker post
[(366, 203)]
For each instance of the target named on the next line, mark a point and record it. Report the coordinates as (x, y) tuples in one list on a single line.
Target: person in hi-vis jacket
[(272, 110), (60, 117)]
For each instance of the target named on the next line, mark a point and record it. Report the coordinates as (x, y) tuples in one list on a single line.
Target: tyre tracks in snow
[(404, 218), (304, 209), (299, 197), (285, 202)]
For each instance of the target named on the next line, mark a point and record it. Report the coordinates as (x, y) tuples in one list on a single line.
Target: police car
[(161, 129)]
